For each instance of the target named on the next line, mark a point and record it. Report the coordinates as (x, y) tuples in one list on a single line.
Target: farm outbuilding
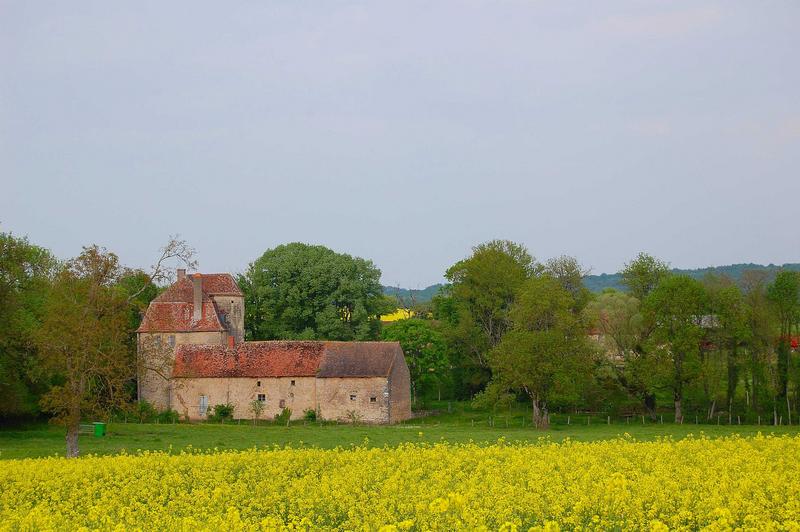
[(192, 358)]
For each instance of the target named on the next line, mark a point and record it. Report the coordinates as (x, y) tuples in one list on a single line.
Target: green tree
[(545, 354), (26, 271), (642, 275), (730, 332), (568, 271), (623, 332), (761, 327), (300, 291), (83, 341), (784, 295), (475, 306), (677, 307), (425, 350)]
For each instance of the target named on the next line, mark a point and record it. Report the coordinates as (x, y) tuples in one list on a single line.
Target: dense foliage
[(308, 292), (722, 484), (426, 354), (505, 328), (25, 274)]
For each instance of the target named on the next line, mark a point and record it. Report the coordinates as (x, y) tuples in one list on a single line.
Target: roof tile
[(172, 316), (286, 359)]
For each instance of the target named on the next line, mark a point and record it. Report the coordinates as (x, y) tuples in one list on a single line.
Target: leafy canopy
[(425, 350), (642, 275), (545, 354), (300, 291)]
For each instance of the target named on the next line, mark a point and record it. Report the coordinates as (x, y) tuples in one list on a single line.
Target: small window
[(373, 399), (282, 403), (171, 340), (292, 383), (203, 404), (258, 383), (352, 397), (262, 397)]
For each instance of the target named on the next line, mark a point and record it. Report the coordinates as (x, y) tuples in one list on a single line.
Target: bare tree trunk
[(540, 417), (72, 440), (678, 411), (650, 405)]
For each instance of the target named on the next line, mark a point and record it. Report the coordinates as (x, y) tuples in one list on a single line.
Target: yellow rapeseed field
[(721, 484)]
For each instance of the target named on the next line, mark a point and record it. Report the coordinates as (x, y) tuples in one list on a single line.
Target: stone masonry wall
[(367, 397), (240, 392), (233, 306), (157, 356), (400, 391)]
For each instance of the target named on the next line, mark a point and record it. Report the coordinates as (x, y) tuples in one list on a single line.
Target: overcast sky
[(404, 132)]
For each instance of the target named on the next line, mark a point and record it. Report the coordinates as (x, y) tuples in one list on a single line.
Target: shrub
[(283, 417), (310, 414), (222, 412), (353, 416), (168, 416), (144, 411), (256, 408)]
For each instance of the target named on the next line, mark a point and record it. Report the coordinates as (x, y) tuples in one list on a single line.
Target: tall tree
[(623, 332), (730, 332), (301, 291), (425, 350), (642, 275), (569, 272), (760, 326), (83, 340), (784, 294), (545, 354), (476, 305), (677, 307), (25, 274)]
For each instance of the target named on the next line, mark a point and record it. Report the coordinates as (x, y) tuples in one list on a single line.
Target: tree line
[(506, 328), (516, 328)]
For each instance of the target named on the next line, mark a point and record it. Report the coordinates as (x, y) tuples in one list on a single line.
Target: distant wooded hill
[(597, 283)]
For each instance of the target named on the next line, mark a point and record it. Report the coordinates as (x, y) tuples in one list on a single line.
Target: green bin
[(99, 428)]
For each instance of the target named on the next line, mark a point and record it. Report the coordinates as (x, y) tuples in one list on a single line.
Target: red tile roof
[(286, 359), (220, 284), (172, 310), (214, 284), (248, 359), (176, 316), (358, 359)]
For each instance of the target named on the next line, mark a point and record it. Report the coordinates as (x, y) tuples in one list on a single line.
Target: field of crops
[(696, 482)]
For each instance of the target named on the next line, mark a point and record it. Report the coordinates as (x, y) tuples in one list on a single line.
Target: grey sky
[(404, 132)]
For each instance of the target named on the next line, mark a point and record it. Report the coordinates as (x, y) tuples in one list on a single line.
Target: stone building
[(192, 357)]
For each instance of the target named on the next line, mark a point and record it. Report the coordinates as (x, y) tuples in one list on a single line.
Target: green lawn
[(462, 426)]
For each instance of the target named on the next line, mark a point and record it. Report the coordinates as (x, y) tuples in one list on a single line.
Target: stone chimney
[(181, 274), (197, 286)]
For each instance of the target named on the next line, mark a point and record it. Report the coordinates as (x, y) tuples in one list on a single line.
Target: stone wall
[(400, 391), (368, 397), (233, 307), (295, 393), (156, 353)]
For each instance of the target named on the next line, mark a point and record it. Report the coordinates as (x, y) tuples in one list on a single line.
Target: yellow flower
[(694, 483)]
